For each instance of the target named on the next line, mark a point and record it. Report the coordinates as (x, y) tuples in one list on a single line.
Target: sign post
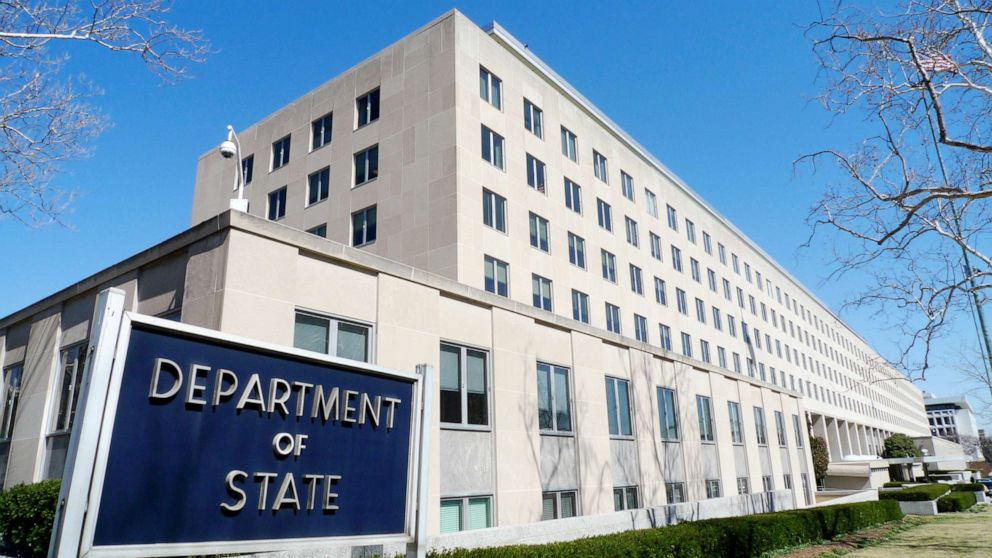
[(195, 442)]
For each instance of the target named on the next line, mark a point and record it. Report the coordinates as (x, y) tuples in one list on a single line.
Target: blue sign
[(216, 442)]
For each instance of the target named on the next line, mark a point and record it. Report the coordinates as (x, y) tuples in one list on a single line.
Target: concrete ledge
[(919, 508), (850, 497)]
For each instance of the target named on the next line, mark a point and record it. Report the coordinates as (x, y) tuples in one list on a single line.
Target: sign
[(210, 444)]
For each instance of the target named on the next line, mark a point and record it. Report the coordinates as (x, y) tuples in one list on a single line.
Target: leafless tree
[(45, 116), (909, 205)]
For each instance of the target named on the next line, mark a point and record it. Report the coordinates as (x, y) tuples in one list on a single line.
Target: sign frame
[(84, 477)]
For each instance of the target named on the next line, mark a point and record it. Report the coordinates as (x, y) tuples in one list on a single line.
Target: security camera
[(227, 149)]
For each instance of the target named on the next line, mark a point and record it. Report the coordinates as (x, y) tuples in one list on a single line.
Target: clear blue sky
[(719, 91)]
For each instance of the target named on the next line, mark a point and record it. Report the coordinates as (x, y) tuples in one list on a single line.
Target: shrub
[(920, 493), (900, 445), (821, 459), (893, 484), (743, 536), (27, 512), (968, 487), (955, 502)]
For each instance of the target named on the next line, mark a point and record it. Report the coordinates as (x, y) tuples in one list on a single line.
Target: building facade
[(952, 418), (605, 339)]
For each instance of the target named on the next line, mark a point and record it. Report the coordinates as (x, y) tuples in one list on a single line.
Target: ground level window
[(742, 486), (625, 498), (675, 491), (713, 488), (558, 505), (464, 397), (461, 514), (766, 483), (332, 336), (787, 479)]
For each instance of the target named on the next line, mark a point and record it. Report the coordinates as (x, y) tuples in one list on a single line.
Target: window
[(609, 266), (668, 414), (542, 292), (573, 196), (676, 259), (736, 263), (655, 242), (759, 426), (787, 480), (497, 276), (737, 362), (280, 153), (10, 391), (580, 306), (780, 428), (704, 350), (319, 230), (680, 301), (618, 406), (599, 166), (533, 119), (659, 291), (247, 168), (736, 426), (625, 498), (631, 226), (576, 250), (464, 394), (568, 144), (705, 412), (742, 486), (535, 173), (635, 280), (320, 131), (332, 336), (675, 492), (277, 204), (627, 186), (723, 253), (651, 203), (558, 505), (492, 147), (553, 404), (666, 336), (367, 108), (605, 214), (640, 328), (539, 232), (717, 324), (711, 279), (490, 88), (721, 355), (690, 231), (795, 423), (366, 165), (694, 269), (673, 219), (712, 488), (707, 243), (318, 186), (460, 514), (687, 345), (766, 483), (493, 210), (363, 226), (612, 318), (700, 310), (726, 290)]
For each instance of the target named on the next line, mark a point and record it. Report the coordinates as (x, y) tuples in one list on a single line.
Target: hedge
[(968, 487), (920, 493), (742, 536), (27, 512), (956, 501), (893, 484)]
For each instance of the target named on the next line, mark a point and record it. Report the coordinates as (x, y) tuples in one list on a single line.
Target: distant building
[(952, 418)]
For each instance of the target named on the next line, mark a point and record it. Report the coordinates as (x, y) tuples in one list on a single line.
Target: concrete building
[(605, 339), (952, 418)]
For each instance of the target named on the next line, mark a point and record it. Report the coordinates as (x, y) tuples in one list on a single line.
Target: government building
[(605, 340)]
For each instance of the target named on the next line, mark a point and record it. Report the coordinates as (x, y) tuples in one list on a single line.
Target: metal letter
[(153, 392), (219, 390), (254, 387), (235, 491), (194, 389)]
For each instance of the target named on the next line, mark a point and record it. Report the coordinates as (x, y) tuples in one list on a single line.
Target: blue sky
[(721, 92)]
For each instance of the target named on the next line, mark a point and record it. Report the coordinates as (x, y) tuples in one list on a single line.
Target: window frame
[(281, 195), (364, 212), (464, 511), (569, 145), (323, 189), (463, 387), (624, 493), (576, 250), (494, 202), (555, 430), (333, 326), (533, 118), (326, 132), (705, 422), (617, 408), (496, 266), (492, 83), (557, 495), (371, 107), (538, 299), (369, 159), (665, 427), (284, 149), (496, 154), (9, 400)]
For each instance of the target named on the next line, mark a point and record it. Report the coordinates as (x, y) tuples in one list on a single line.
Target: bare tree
[(911, 205), (45, 118)]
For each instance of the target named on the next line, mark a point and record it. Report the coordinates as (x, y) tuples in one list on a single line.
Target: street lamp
[(231, 148)]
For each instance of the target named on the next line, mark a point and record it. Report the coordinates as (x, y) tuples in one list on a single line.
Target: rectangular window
[(694, 269), (320, 131), (659, 291), (542, 292), (668, 414), (722, 252), (363, 227), (573, 196), (721, 355), (795, 421), (248, 168), (666, 336), (651, 203), (736, 263), (675, 492), (318, 186), (655, 242), (631, 226), (464, 391), (535, 173), (497, 276), (366, 165), (367, 108), (568, 144), (460, 514), (707, 243), (705, 412), (319, 230), (759, 426), (580, 306), (490, 88), (558, 505), (599, 166), (673, 219), (736, 426), (627, 186), (687, 345), (10, 394), (277, 204), (576, 250), (539, 233), (492, 148), (640, 328), (280, 153), (332, 336), (680, 301), (676, 259), (737, 363), (712, 488), (704, 350), (533, 119), (625, 498), (743, 486), (493, 210), (605, 214), (766, 483), (553, 403), (726, 290), (711, 279), (787, 480), (717, 323), (618, 406), (690, 231), (612, 318), (609, 266), (780, 429), (635, 280)]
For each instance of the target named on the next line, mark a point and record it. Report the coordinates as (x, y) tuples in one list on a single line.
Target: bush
[(27, 512), (956, 501), (900, 445), (893, 484), (968, 487), (821, 458), (743, 536), (920, 493)]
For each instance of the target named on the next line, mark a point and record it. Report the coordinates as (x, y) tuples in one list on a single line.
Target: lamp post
[(231, 148)]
